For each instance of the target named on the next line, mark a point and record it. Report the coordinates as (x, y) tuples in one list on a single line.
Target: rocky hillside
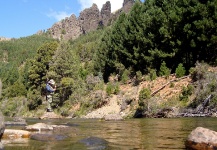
[(89, 20), (164, 91)]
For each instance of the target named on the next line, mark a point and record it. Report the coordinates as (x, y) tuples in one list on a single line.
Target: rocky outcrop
[(105, 14), (66, 29), (202, 139), (127, 5), (89, 20)]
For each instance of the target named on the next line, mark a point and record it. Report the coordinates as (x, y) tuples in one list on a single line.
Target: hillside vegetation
[(155, 39)]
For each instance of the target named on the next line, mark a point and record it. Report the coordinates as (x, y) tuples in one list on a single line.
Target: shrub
[(186, 92), (199, 72), (153, 74), (180, 71), (112, 88), (125, 76), (34, 99), (138, 77), (164, 71), (144, 96)]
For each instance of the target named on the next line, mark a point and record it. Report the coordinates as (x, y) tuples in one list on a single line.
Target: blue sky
[(20, 18)]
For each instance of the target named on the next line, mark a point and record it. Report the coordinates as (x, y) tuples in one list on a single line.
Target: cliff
[(89, 20)]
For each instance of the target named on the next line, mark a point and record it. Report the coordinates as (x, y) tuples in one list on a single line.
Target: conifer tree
[(40, 65)]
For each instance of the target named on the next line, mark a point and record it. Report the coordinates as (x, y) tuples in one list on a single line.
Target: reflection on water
[(134, 134)]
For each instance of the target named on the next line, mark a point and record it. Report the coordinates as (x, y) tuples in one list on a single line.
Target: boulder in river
[(39, 127), (15, 134), (202, 139), (45, 127)]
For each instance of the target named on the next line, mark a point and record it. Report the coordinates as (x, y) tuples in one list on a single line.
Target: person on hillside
[(50, 89)]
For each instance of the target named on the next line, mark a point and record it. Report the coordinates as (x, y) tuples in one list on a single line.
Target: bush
[(164, 71), (186, 92), (34, 99), (125, 76), (199, 72), (144, 96), (138, 77), (14, 106), (153, 74), (180, 71), (112, 88)]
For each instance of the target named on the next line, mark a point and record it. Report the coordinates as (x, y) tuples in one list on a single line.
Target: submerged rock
[(47, 137), (202, 139), (94, 143)]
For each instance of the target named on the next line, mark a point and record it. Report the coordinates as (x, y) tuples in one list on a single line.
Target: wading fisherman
[(50, 89)]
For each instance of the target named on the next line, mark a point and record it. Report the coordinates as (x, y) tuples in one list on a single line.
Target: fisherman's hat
[(51, 81)]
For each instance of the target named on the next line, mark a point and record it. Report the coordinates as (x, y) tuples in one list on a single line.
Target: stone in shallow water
[(202, 139), (95, 143), (39, 127), (15, 134), (47, 137)]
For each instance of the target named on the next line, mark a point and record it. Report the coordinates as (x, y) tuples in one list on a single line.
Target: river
[(132, 134)]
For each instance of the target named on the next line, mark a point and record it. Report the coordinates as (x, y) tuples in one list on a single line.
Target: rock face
[(105, 14), (89, 20), (127, 5), (66, 29), (202, 139)]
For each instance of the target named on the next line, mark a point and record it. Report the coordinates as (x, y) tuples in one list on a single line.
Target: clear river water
[(132, 134)]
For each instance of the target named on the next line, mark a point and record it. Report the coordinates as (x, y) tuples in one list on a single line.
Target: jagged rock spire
[(89, 19)]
